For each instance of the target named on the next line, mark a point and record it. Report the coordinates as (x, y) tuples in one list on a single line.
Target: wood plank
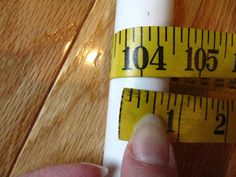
[(35, 38), (71, 124)]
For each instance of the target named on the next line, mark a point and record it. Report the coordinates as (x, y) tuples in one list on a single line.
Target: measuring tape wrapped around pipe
[(173, 52)]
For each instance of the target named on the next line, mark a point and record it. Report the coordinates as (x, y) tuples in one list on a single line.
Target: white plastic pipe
[(132, 13)]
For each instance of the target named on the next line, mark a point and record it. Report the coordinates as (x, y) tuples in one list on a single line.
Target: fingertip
[(76, 170), (149, 153), (150, 143), (104, 170), (149, 119)]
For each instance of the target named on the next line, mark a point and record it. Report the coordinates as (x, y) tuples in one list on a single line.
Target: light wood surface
[(35, 38), (53, 95)]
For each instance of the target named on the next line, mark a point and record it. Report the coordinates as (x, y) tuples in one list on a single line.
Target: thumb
[(149, 152)]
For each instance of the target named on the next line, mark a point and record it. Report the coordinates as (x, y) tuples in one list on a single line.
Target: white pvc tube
[(132, 13)]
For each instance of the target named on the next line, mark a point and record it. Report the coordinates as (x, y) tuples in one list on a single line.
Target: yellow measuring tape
[(187, 118), (173, 52), (176, 52)]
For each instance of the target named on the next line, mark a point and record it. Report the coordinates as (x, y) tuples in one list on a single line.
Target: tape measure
[(173, 52), (187, 118)]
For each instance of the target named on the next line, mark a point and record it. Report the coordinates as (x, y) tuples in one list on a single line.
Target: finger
[(149, 153), (81, 170)]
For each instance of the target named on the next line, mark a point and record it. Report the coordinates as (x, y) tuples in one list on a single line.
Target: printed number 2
[(223, 119)]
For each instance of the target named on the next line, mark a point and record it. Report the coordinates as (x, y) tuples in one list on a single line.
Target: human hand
[(148, 154)]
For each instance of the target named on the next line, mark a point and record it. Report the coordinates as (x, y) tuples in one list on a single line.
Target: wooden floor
[(53, 97)]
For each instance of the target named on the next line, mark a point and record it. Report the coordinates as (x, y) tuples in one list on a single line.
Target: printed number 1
[(170, 121), (235, 64)]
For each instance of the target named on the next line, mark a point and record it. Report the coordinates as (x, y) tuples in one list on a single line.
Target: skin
[(148, 154), (80, 170), (131, 167)]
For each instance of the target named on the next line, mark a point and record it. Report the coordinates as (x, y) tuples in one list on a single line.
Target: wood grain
[(71, 123), (35, 37)]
